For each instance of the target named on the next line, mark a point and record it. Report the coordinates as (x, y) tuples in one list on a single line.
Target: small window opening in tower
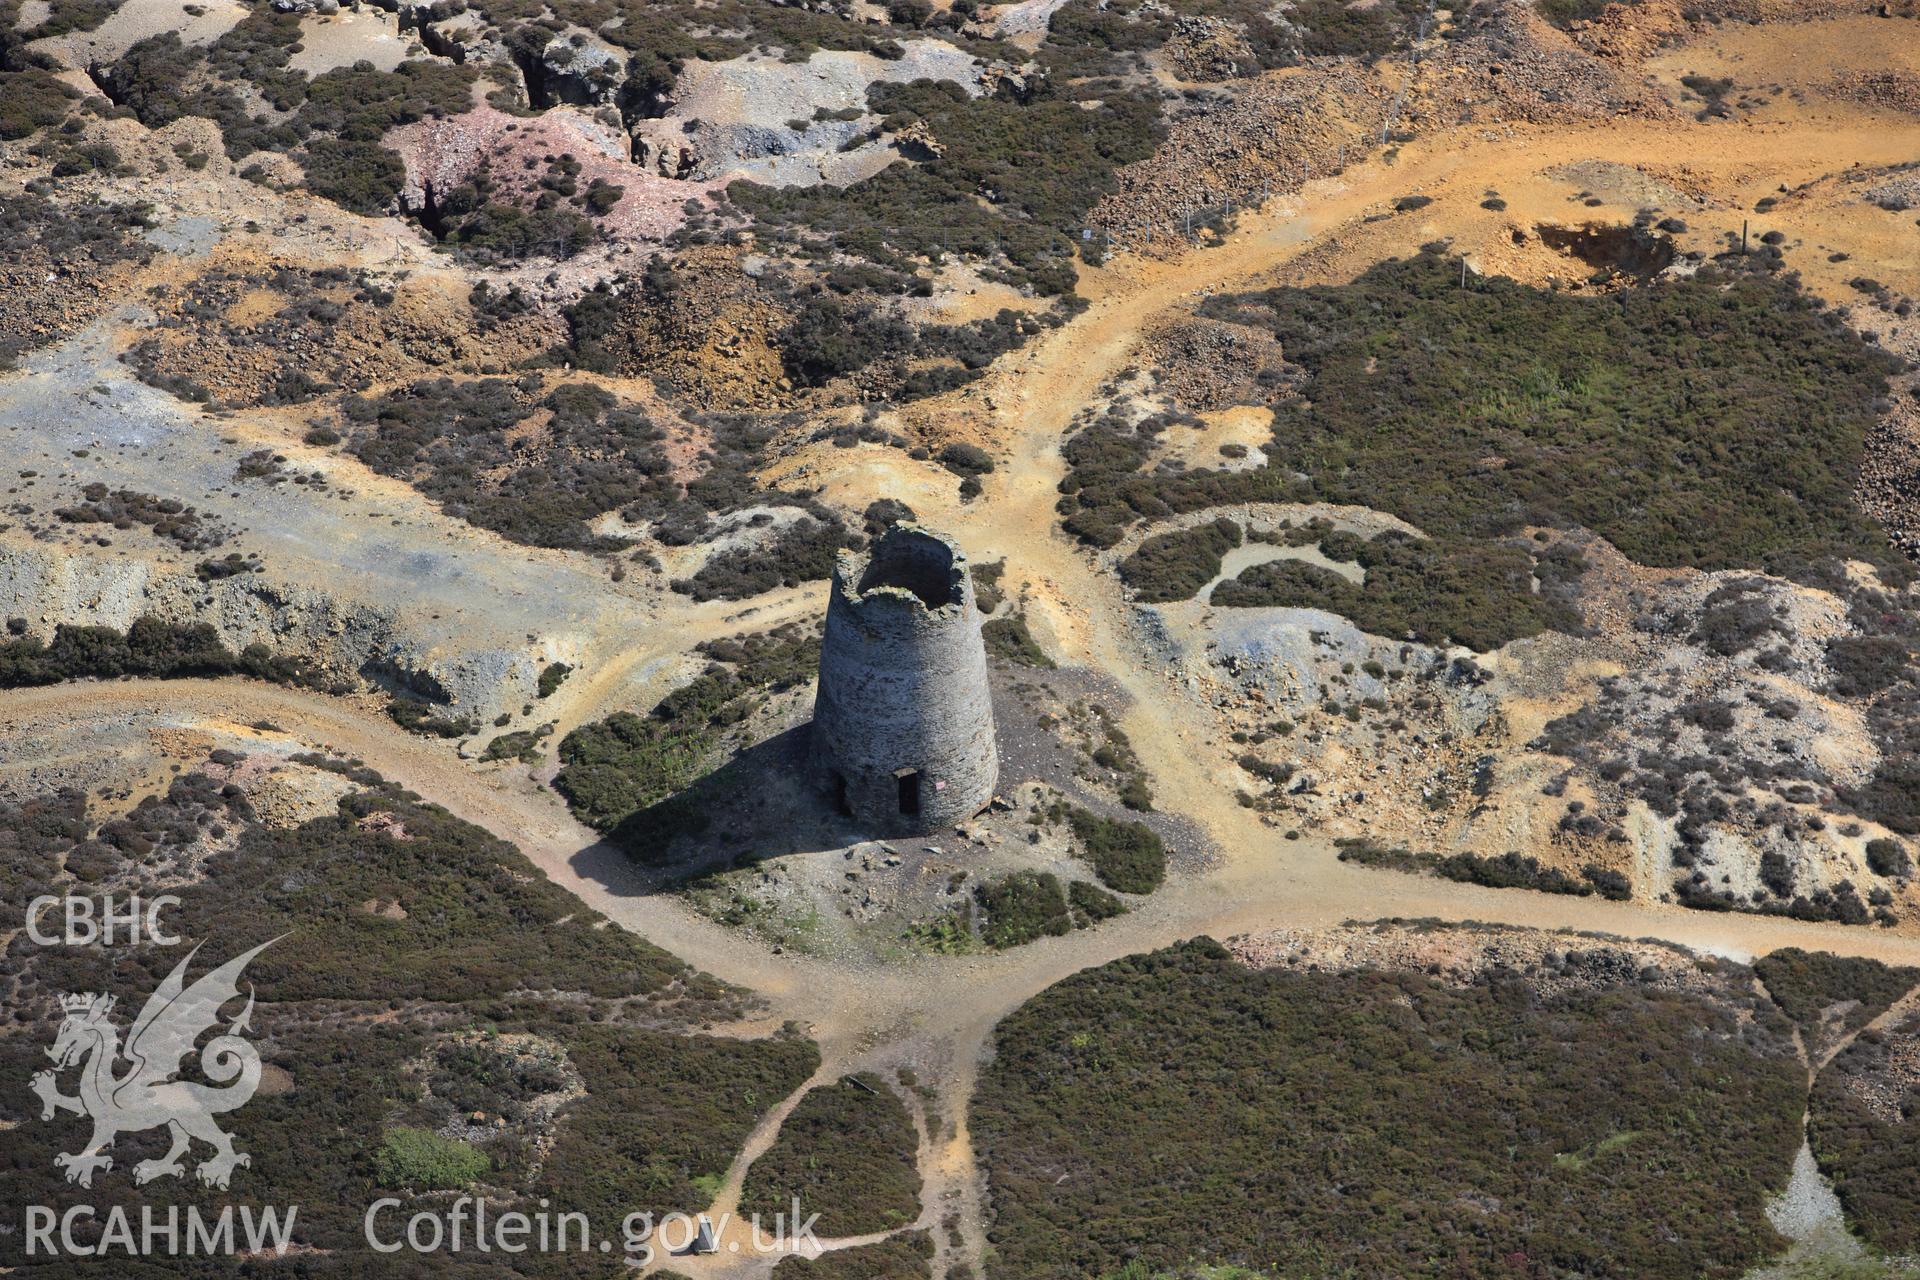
[(841, 805), (909, 780)]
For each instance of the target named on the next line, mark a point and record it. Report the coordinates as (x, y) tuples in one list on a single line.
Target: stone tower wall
[(903, 705)]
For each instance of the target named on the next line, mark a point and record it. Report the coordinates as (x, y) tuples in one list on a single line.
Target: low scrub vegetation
[(456, 443), (1016, 909), (1511, 870), (1585, 401), (907, 1256), (804, 551), (408, 942), (847, 1153), (1863, 1134), (1047, 155), (1478, 593), (1716, 422), (1126, 855), (1806, 984), (151, 648), (1011, 640), (620, 766), (1173, 566), (1364, 1102), (417, 715)]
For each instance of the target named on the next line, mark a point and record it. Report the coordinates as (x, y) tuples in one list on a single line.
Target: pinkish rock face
[(441, 154)]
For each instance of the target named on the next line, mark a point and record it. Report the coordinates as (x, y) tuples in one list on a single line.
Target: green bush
[(150, 648), (1564, 13), (358, 103), (417, 715), (1334, 28), (1510, 870), (551, 677), (362, 177), (1127, 856), (1010, 640), (829, 338), (1173, 566), (1021, 907), (1889, 858), (453, 441), (1864, 665), (521, 744), (965, 459), (493, 233), (31, 100), (1047, 158), (1454, 591), (804, 551), (1092, 903)]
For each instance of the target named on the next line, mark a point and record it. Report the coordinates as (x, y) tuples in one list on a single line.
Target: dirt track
[(945, 1008)]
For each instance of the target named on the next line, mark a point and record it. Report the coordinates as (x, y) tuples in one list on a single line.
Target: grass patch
[(422, 1161)]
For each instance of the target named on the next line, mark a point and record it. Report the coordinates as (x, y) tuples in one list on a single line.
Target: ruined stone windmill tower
[(902, 725)]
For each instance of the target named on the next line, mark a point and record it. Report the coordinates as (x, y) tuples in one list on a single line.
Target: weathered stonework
[(903, 724)]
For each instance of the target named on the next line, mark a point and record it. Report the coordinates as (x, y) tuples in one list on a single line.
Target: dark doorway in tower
[(841, 805), (909, 782)]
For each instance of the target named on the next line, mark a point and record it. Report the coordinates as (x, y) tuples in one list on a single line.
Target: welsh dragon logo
[(145, 1095)]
